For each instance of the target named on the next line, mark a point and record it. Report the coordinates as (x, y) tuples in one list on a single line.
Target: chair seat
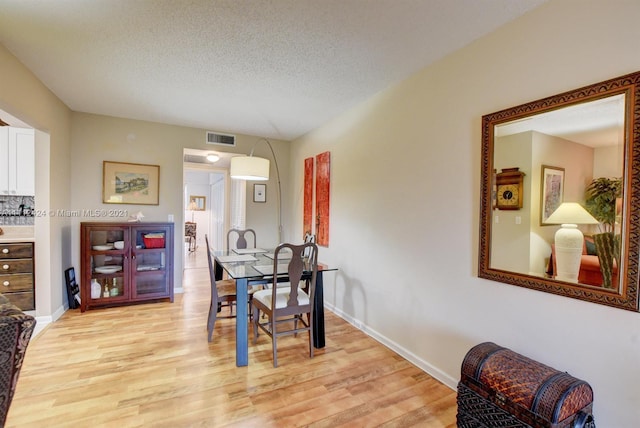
[(282, 296), (226, 287)]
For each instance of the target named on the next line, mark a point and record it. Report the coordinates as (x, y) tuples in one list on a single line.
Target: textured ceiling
[(272, 68)]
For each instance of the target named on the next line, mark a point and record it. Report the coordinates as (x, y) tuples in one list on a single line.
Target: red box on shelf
[(153, 242)]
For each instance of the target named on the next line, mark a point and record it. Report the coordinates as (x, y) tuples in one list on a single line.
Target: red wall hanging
[(323, 181), (307, 216)]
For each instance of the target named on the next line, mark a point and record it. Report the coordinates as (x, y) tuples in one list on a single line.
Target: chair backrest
[(212, 274), (241, 241), (298, 268), (308, 237)]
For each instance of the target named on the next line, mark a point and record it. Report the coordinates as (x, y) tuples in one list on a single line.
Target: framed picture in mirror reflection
[(551, 192)]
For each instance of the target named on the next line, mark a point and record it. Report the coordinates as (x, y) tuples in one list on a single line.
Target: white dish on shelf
[(108, 269), (119, 245), (142, 268), (106, 247)]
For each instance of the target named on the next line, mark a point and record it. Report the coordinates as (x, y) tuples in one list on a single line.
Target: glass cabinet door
[(109, 263), (149, 273)]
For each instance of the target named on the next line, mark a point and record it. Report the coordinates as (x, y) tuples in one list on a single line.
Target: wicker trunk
[(500, 388)]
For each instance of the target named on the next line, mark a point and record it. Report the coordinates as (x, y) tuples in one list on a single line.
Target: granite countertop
[(17, 234)]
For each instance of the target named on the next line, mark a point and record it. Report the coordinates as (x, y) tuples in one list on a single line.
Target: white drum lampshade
[(257, 169), (249, 168), (569, 239)]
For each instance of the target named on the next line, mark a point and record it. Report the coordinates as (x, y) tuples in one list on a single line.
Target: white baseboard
[(406, 354), (43, 321)]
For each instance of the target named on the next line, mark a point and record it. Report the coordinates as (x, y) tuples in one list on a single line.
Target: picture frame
[(259, 193), (130, 183), (197, 203), (551, 191)]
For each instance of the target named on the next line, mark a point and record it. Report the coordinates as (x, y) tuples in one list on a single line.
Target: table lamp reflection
[(569, 240)]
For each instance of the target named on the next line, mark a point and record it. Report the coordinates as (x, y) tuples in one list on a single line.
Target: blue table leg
[(318, 313), (242, 315)]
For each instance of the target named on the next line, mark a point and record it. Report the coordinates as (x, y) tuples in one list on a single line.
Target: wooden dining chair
[(223, 294), (241, 241), (288, 305)]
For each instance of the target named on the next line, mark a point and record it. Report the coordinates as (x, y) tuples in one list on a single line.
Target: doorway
[(205, 202), (205, 208)]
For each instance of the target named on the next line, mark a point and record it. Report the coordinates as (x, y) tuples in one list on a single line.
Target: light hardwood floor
[(151, 365)]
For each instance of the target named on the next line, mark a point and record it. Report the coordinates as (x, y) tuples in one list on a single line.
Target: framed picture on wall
[(259, 193), (197, 203), (551, 191), (130, 183)]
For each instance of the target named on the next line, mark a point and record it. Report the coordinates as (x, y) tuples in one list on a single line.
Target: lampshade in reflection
[(569, 239)]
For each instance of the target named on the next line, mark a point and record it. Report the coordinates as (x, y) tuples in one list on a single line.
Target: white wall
[(405, 194), (511, 229), (608, 161)]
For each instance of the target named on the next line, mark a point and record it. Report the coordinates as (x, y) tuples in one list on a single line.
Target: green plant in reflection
[(602, 196)]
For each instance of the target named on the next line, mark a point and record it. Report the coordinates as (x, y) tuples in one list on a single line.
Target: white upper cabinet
[(17, 161), (4, 160)]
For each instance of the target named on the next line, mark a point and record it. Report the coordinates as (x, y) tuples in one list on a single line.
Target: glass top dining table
[(253, 267)]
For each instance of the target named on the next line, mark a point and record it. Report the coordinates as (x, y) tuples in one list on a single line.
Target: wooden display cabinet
[(131, 263)]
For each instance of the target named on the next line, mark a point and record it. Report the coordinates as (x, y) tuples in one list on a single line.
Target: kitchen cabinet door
[(17, 161), (22, 162), (4, 160)]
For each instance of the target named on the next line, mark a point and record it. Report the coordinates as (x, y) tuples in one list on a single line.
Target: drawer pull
[(5, 251), (5, 267), (6, 283)]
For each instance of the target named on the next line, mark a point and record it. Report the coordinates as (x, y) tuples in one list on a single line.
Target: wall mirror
[(539, 157)]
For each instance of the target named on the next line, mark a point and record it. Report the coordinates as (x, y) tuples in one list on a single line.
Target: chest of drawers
[(17, 274)]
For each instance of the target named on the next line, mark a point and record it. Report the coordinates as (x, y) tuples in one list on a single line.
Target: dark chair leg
[(211, 323)]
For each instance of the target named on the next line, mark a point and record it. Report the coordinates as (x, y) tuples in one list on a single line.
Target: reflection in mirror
[(585, 142), (576, 147)]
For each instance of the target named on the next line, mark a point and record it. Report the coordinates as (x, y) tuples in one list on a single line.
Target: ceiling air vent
[(195, 159), (221, 139)]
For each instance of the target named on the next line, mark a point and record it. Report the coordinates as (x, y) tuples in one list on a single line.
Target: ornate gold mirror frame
[(624, 294)]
